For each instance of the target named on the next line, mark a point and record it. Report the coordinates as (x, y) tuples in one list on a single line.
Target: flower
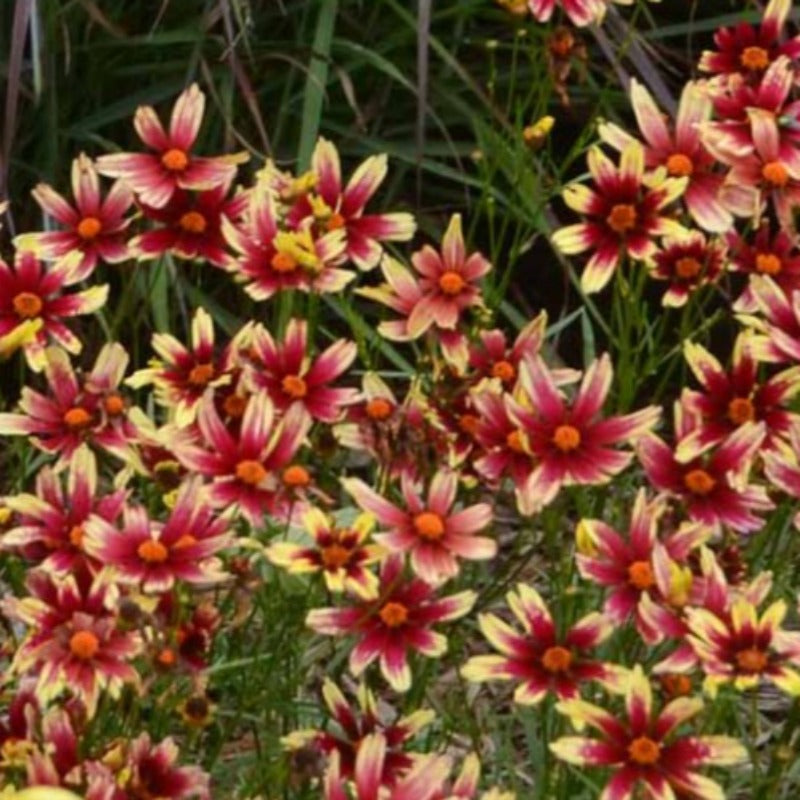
[(427, 528), (333, 207), (420, 783), (245, 469), (687, 262), (749, 51), (777, 337), (642, 748), (626, 566), (580, 12), (341, 553), (51, 524), (623, 211), (95, 227), (732, 398), (29, 291), (539, 660), (743, 647), (155, 176), (681, 153), (570, 444), (190, 225), (73, 641), (75, 411), (152, 555), (713, 487), (352, 725), (292, 378), (400, 619)]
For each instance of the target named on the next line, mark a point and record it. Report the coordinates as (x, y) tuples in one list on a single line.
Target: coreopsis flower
[(245, 469), (93, 226), (465, 785), (625, 564), (370, 420), (398, 621), (292, 378), (53, 762), (181, 375), (189, 225), (747, 50), (713, 487), (342, 554), (50, 527), (744, 647), (766, 254), (73, 640), (491, 357), (427, 528), (681, 152), (571, 444), (75, 410), (150, 770), (539, 660), (156, 176), (32, 291), (269, 259), (782, 468), (152, 555), (352, 724), (777, 325), (687, 263), (580, 12), (333, 207), (731, 398), (642, 747), (421, 782), (624, 214)]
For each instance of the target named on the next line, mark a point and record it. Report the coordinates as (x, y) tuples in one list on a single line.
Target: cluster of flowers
[(120, 586)]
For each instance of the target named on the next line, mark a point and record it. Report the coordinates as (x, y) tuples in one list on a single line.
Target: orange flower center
[(429, 525), (187, 540), (752, 659), (378, 408), (740, 410), (644, 750), (468, 423), (688, 268), (451, 282), (175, 160), (754, 58), (89, 227), (566, 438), (201, 374), (27, 305), (640, 575), (166, 657), (77, 418), (680, 165), (515, 442), (193, 222), (84, 645), (335, 221), (250, 472), (283, 262), (294, 386), (622, 218), (234, 405), (561, 42), (152, 551), (698, 481), (775, 173), (504, 370), (768, 263), (114, 405), (76, 536), (393, 614), (334, 556), (676, 685), (556, 659), (295, 475)]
